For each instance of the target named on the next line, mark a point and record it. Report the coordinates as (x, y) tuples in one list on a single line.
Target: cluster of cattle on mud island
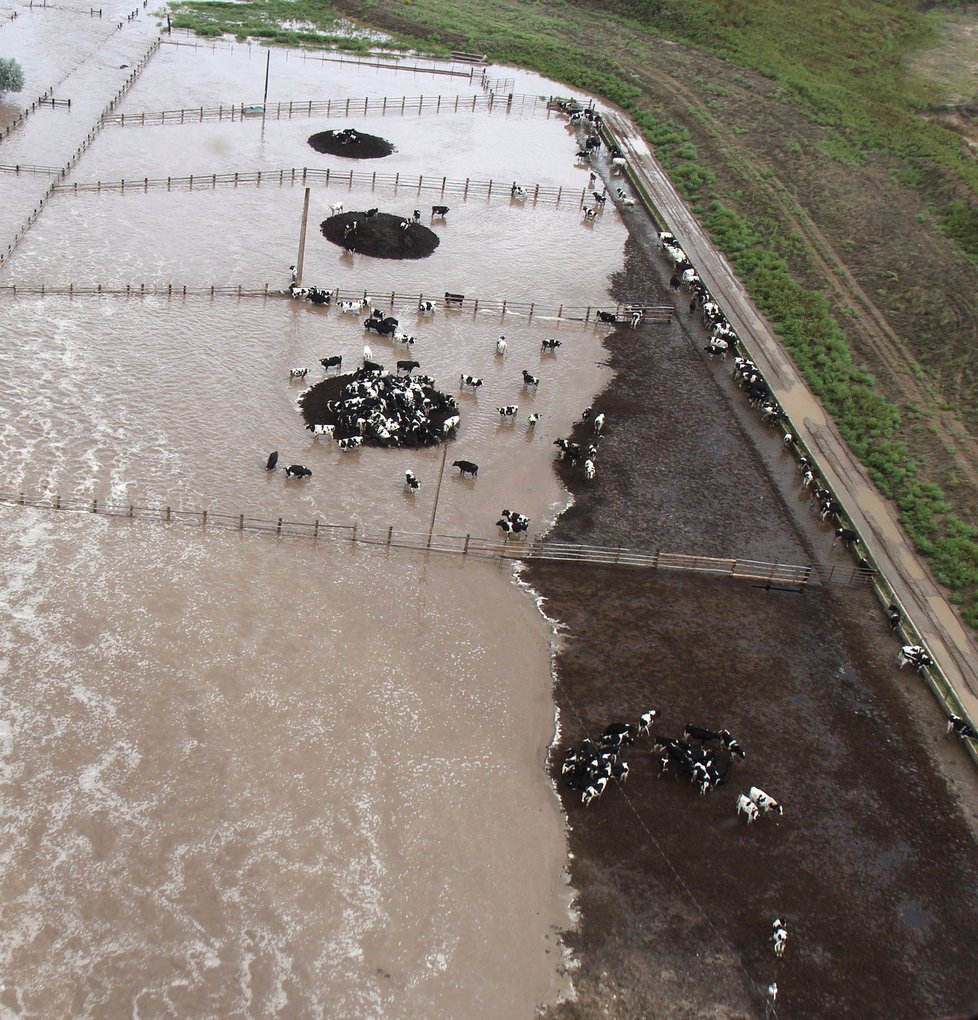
[(402, 408)]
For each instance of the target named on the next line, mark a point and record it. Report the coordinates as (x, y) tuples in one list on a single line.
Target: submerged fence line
[(289, 176), (86, 142), (759, 572), (446, 301), (486, 103), (391, 60)]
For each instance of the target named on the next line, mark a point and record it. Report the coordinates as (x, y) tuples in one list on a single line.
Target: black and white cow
[(336, 361), (530, 380), (320, 430), (549, 345), (297, 471), (746, 806), (469, 380), (298, 373), (847, 536), (957, 725), (916, 656), (509, 411), (766, 803)]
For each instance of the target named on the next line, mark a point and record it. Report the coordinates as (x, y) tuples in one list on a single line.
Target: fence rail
[(301, 176), (392, 61), (486, 103), (770, 574), (89, 138), (29, 168), (458, 303)]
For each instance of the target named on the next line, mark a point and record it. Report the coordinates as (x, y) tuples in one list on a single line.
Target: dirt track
[(874, 863)]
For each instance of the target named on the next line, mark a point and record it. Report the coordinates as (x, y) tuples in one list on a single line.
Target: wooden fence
[(29, 168), (772, 575), (87, 141), (300, 176), (458, 303), (486, 103), (391, 61)]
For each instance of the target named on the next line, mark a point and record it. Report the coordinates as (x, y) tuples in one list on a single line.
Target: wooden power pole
[(302, 240)]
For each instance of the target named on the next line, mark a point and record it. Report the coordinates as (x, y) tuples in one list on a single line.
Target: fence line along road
[(908, 579), (458, 302), (241, 111), (298, 176), (772, 575), (391, 62)]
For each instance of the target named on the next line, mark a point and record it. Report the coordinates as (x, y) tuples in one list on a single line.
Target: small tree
[(11, 75)]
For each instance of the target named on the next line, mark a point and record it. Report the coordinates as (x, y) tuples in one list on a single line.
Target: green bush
[(11, 75)]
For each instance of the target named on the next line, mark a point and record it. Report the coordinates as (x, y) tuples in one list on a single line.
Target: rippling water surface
[(239, 780), (249, 776)]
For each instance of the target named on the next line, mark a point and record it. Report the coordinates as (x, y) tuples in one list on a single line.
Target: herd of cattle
[(722, 340), (403, 409), (705, 756)]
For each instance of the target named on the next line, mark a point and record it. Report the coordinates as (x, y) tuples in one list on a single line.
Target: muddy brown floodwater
[(873, 865)]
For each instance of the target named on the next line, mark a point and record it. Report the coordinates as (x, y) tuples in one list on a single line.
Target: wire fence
[(385, 105), (774, 575), (450, 302)]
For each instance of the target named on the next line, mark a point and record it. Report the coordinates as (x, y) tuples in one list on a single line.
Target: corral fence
[(770, 575), (385, 105), (45, 99), (86, 142), (452, 303), (300, 176), (392, 60)]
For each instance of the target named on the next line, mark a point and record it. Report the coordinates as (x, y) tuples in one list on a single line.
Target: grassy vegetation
[(843, 64)]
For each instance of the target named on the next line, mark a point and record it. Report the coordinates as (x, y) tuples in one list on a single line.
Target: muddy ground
[(339, 143), (874, 863), (380, 235)]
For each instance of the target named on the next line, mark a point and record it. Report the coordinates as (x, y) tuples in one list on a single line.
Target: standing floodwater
[(240, 781), (246, 776)]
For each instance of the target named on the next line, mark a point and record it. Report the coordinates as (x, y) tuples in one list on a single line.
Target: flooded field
[(246, 776), (233, 789)]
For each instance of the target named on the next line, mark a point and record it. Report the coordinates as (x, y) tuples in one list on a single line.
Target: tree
[(11, 75)]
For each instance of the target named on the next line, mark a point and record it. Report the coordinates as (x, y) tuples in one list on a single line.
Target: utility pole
[(434, 509), (268, 61), (302, 240)]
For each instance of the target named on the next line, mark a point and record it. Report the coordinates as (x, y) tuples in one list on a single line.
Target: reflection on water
[(247, 776)]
